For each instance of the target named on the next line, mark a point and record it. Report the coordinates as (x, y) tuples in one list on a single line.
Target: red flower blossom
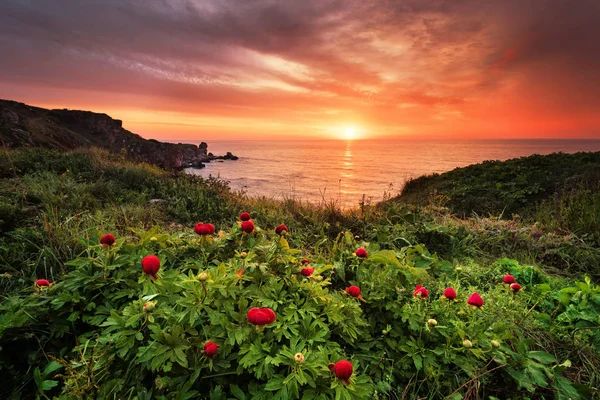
[(353, 291), (421, 292), (308, 271), (204, 229), (42, 282), (509, 279), (450, 293), (245, 216), (151, 265), (475, 300), (261, 316), (107, 240), (210, 349), (305, 261), (515, 287), (360, 252), (248, 226), (343, 370), (280, 229)]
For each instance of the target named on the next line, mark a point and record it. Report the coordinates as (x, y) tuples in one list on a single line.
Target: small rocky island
[(22, 125)]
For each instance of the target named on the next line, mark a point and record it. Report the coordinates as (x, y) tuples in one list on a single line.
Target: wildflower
[(360, 252), (431, 322), (204, 229), (245, 216), (450, 293), (42, 283), (515, 287), (210, 349), (209, 228), (353, 291), (151, 265), (509, 279), (248, 226), (261, 316), (475, 300), (299, 358), (343, 370), (467, 344), (421, 292), (307, 271), (280, 229), (107, 240), (149, 306)]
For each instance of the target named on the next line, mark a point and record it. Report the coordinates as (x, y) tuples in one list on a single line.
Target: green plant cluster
[(91, 334)]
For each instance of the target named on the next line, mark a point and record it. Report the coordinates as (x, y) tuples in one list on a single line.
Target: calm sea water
[(345, 171)]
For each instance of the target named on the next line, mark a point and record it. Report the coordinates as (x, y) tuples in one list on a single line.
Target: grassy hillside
[(515, 186), (91, 334)]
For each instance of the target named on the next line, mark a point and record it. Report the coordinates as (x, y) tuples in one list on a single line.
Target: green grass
[(504, 188), (54, 206)]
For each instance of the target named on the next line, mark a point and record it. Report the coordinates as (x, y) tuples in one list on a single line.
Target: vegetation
[(106, 329), (512, 187)]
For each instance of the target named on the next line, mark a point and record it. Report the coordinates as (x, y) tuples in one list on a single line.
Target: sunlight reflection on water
[(344, 171)]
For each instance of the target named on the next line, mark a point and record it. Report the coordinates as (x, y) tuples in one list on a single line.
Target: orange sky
[(205, 70)]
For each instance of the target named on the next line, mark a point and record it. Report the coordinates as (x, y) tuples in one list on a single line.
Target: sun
[(350, 133)]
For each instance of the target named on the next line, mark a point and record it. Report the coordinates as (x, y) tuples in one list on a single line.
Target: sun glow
[(350, 133)]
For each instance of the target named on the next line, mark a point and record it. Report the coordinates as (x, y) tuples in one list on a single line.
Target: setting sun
[(350, 133)]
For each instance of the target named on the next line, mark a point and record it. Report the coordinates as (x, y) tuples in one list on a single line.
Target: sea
[(348, 172)]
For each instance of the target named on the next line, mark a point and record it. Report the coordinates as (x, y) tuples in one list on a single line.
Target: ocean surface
[(344, 171)]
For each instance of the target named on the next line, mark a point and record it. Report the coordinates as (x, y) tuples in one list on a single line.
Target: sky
[(241, 69)]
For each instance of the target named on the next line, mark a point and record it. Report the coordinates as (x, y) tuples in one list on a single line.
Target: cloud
[(471, 64)]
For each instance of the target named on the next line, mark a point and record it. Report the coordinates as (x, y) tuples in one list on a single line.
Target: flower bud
[(431, 322), (149, 306), (243, 254), (318, 278), (495, 343), (299, 358), (467, 344), (202, 276)]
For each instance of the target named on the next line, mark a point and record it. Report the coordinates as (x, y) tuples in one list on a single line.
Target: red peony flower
[(204, 229), (307, 271), (270, 313), (151, 265), (353, 291), (515, 287), (360, 252), (42, 282), (248, 226), (343, 370), (475, 300), (245, 216), (280, 229), (305, 261), (210, 349), (261, 316), (509, 279), (209, 229), (450, 293), (421, 292), (107, 240)]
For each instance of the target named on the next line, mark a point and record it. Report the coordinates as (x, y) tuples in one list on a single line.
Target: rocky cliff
[(23, 125)]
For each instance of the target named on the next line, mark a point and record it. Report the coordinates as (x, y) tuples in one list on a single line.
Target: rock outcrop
[(22, 125)]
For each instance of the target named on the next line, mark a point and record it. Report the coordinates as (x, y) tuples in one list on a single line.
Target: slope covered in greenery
[(106, 329), (511, 187)]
